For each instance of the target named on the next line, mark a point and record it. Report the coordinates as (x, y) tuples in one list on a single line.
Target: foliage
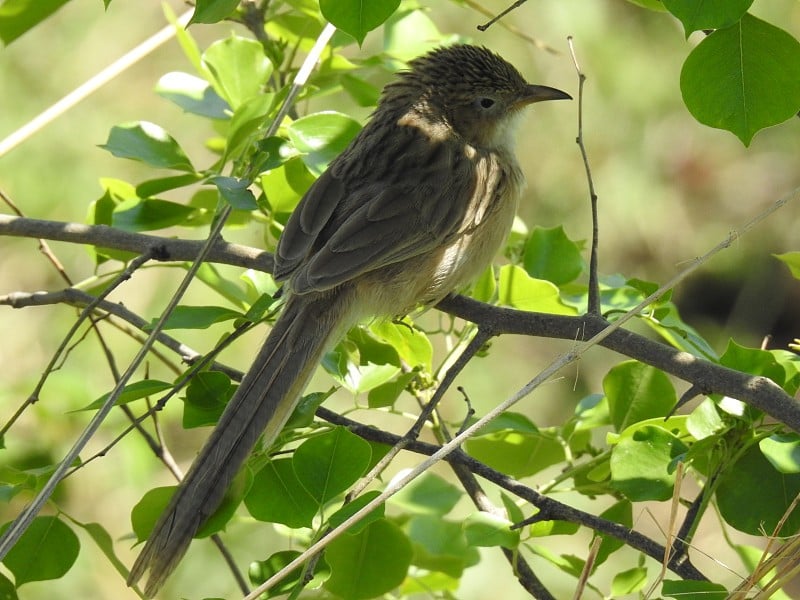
[(621, 446)]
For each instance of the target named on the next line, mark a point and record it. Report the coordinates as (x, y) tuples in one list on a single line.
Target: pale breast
[(425, 279)]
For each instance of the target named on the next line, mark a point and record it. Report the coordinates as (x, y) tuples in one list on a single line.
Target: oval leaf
[(707, 14), (321, 137), (370, 563), (328, 464), (743, 78), (47, 550), (277, 496), (635, 392), (192, 94), (357, 17), (753, 497), (239, 68), (549, 254), (148, 143), (641, 463)]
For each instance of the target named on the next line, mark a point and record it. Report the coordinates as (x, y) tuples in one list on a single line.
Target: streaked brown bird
[(415, 207)]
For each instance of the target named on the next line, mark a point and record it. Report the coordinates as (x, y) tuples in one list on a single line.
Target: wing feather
[(357, 217)]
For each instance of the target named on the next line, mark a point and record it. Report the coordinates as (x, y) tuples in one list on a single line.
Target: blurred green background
[(669, 190)]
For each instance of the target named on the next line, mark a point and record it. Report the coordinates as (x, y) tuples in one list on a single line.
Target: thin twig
[(500, 15), (91, 85), (594, 285)]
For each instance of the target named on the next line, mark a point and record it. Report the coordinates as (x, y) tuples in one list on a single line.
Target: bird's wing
[(360, 217)]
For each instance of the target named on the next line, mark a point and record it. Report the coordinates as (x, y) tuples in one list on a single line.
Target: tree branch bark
[(757, 391)]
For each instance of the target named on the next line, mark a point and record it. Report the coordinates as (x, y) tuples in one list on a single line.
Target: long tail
[(262, 404)]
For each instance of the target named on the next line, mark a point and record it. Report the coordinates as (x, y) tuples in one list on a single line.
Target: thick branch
[(759, 392), (548, 507), (103, 236)]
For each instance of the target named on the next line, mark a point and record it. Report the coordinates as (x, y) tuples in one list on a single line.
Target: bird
[(412, 210)]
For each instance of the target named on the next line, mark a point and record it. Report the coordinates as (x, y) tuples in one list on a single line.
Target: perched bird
[(415, 207)]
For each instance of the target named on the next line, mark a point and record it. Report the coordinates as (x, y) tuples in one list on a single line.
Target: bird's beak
[(540, 93)]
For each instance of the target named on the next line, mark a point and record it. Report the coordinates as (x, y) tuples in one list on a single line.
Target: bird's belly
[(397, 289)]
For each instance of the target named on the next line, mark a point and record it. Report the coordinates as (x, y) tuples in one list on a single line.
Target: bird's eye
[(485, 102)]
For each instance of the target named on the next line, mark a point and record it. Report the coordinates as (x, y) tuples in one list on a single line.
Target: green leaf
[(409, 34), (276, 151), (743, 78), (321, 137), (351, 508), (517, 453), (707, 14), (519, 290), (370, 563), (286, 185), (791, 260), (207, 395), (628, 582), (754, 361), (642, 463), (549, 254), (164, 184), (705, 421), (147, 143), (303, 414), (262, 570), (149, 214), (193, 94), (47, 550), (428, 494), (133, 391), (753, 496), (687, 589), (105, 543), (212, 11), (425, 584), (487, 530), (239, 68), (235, 192), (621, 513), (548, 528), (19, 16), (385, 394), (635, 392), (440, 545), (199, 317), (357, 17), (572, 565), (782, 451), (410, 344), (146, 512), (277, 496), (328, 464), (7, 589), (248, 120), (365, 94)]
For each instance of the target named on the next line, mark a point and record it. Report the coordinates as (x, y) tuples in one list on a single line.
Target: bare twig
[(91, 85), (500, 15), (594, 285)]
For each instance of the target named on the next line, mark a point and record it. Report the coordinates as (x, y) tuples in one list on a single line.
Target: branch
[(166, 249), (757, 391), (549, 509)]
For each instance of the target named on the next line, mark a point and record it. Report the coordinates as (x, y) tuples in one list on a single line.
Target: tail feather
[(262, 404)]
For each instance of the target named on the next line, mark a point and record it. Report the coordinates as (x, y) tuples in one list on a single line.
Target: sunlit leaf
[(743, 78)]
